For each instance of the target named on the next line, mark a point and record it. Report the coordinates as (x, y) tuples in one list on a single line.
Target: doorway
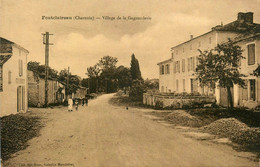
[(20, 99)]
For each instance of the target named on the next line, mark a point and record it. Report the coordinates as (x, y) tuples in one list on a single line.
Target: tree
[(137, 89), (93, 74), (123, 75), (257, 71), (74, 81), (135, 69), (107, 62), (102, 75), (221, 65), (40, 69)]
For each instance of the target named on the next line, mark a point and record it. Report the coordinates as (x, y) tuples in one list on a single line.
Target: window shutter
[(245, 92), (251, 54), (188, 64), (1, 78)]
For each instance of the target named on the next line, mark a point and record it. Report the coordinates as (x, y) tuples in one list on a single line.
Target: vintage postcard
[(120, 83)]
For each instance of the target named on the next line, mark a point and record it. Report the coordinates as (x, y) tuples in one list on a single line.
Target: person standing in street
[(70, 105), (83, 101), (77, 104), (86, 101)]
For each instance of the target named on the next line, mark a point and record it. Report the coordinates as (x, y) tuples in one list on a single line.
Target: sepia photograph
[(130, 83)]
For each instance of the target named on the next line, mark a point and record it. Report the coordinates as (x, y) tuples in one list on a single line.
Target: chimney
[(249, 17), (241, 17), (191, 36), (245, 17)]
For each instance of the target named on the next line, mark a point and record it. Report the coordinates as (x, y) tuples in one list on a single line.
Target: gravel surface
[(102, 135), (16, 130), (180, 117), (235, 130)]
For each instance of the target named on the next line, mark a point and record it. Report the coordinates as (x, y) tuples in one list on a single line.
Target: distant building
[(13, 78), (176, 73), (80, 93), (36, 85)]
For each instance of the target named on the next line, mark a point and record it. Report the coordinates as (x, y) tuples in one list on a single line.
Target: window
[(177, 66), (20, 68), (162, 69), (177, 85), (167, 71), (251, 54), (1, 78), (183, 65), (199, 44), (188, 64), (209, 40), (252, 93), (174, 68), (162, 89), (9, 77), (193, 64), (183, 82)]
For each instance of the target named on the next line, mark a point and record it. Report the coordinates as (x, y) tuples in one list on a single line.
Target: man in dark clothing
[(86, 101)]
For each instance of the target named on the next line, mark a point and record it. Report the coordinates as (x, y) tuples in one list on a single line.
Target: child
[(70, 104)]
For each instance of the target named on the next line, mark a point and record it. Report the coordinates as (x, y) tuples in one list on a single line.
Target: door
[(20, 99), (194, 85), (224, 96)]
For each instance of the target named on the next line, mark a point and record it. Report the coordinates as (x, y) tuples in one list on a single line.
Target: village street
[(106, 135)]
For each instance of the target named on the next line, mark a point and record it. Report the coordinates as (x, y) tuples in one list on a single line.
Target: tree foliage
[(135, 69), (40, 69), (257, 71), (107, 62), (74, 81), (137, 89), (123, 75), (221, 65)]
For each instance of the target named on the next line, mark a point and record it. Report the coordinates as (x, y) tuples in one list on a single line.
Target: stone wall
[(172, 101)]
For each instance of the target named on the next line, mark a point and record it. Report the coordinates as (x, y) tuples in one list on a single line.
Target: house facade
[(176, 73), (36, 92), (13, 78)]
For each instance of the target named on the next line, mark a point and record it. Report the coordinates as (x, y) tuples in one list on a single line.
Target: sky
[(82, 43)]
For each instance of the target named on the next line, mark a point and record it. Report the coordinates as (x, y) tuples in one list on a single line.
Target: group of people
[(76, 102)]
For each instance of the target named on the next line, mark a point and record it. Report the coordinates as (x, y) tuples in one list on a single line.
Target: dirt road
[(105, 135)]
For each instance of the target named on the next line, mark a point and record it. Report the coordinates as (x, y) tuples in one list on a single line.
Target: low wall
[(171, 101)]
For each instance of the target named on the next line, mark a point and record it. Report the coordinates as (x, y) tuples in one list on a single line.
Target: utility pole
[(46, 43), (68, 77)]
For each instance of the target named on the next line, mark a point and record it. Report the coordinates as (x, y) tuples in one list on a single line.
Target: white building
[(13, 78), (176, 73)]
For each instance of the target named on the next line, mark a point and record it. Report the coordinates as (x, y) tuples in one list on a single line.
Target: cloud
[(150, 46)]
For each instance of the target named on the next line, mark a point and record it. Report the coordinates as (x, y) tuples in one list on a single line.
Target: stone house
[(176, 73), (13, 78), (36, 85)]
